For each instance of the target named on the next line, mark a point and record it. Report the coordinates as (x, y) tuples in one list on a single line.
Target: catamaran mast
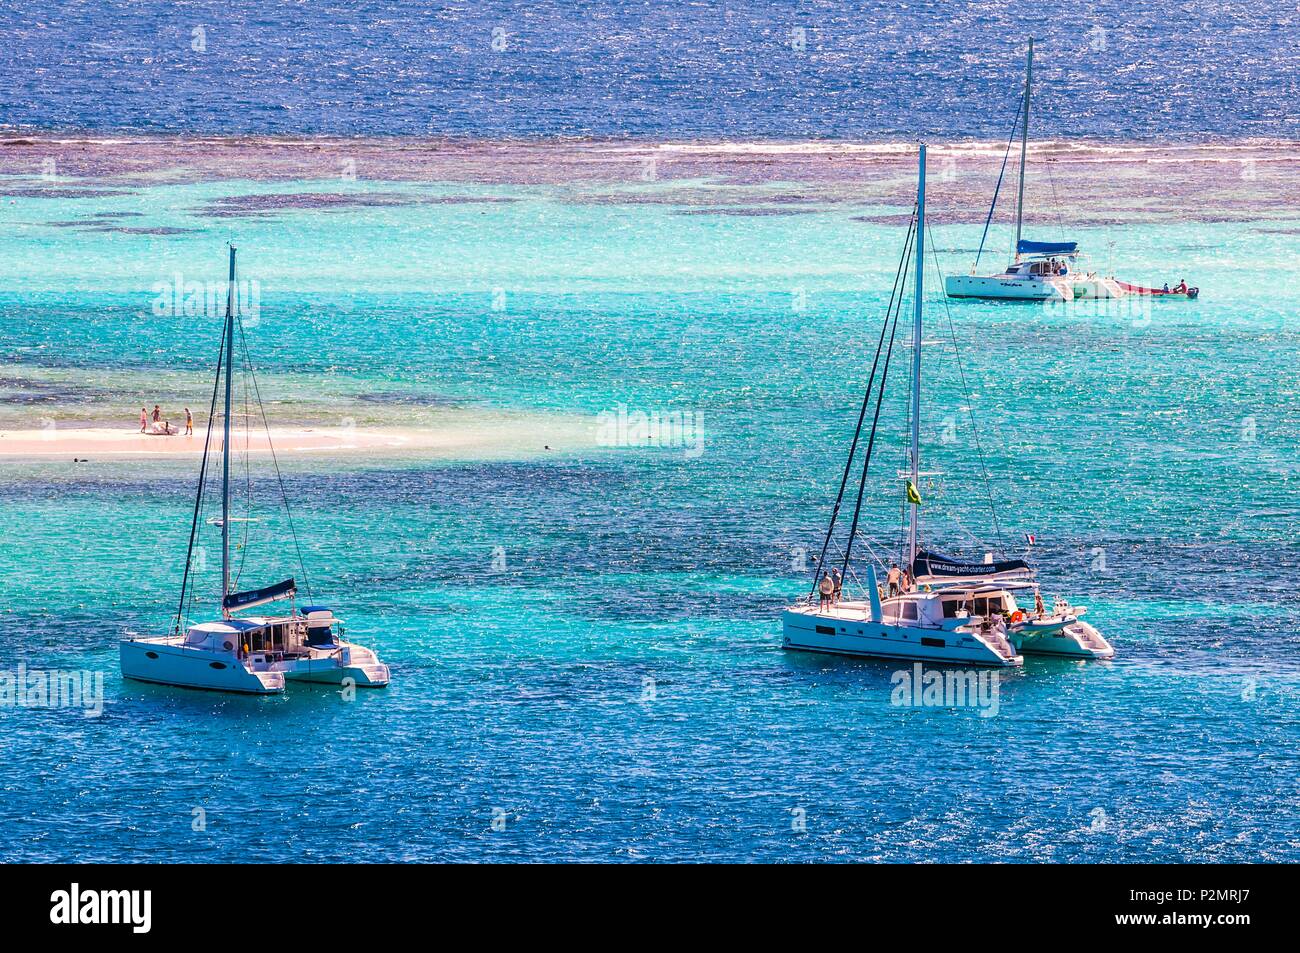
[(225, 431), (916, 357), (1024, 147)]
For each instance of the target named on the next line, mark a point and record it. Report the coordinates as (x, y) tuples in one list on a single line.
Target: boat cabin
[(983, 599), (1040, 268), (924, 609), (312, 628)]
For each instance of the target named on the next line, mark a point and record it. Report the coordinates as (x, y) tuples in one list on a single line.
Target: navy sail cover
[(929, 564), (257, 597), (1026, 247)]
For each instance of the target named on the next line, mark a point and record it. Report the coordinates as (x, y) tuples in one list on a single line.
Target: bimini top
[(1025, 247)]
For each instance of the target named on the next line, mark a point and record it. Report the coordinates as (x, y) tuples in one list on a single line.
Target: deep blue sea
[(658, 69), (633, 208)]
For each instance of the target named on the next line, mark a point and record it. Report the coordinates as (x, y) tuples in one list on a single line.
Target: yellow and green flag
[(912, 495)]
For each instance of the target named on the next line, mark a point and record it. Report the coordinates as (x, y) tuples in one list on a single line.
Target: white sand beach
[(496, 436)]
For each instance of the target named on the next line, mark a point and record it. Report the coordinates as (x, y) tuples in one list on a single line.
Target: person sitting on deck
[(1038, 604), (826, 589), (893, 578)]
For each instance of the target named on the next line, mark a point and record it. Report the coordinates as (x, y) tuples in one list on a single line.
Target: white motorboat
[(901, 624), (251, 655)]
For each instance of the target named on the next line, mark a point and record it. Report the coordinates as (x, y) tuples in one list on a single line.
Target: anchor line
[(894, 296)]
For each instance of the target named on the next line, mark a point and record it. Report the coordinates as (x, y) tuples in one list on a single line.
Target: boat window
[(910, 612)]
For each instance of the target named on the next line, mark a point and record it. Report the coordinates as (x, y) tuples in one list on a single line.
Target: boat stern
[(1073, 638)]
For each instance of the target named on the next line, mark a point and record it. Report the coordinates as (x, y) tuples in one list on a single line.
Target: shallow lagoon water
[(586, 644)]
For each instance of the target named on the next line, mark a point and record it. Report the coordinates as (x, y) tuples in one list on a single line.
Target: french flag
[(1030, 538)]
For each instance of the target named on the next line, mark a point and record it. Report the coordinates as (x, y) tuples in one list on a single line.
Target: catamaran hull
[(1008, 288), (186, 667), (1074, 639), (347, 664), (324, 672), (809, 633), (1094, 287)]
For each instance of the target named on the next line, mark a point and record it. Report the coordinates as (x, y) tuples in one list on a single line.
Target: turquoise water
[(614, 691)]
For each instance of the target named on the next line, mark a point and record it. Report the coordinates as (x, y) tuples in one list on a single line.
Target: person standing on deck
[(189, 423), (894, 577), (837, 585), (826, 589)]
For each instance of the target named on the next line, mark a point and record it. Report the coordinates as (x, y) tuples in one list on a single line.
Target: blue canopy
[(1025, 247)]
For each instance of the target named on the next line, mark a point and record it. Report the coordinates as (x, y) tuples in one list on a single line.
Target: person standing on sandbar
[(144, 420), (189, 423)]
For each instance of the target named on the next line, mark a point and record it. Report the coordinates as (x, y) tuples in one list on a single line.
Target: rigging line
[(248, 477), (284, 495), (866, 400), (1056, 201), (970, 407), (871, 550), (203, 472), (875, 422), (849, 574), (998, 188)]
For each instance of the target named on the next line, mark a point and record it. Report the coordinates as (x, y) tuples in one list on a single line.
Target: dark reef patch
[(269, 203)]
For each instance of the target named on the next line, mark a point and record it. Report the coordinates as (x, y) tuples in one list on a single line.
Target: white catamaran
[(1042, 271), (941, 610), (251, 654)]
